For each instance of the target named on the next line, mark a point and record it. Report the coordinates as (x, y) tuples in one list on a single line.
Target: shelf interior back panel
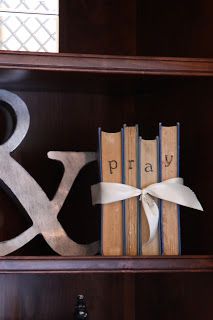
[(67, 119), (135, 27)]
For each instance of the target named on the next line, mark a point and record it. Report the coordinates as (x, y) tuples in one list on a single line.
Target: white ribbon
[(171, 190)]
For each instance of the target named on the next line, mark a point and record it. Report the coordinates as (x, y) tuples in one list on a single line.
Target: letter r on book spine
[(110, 148), (130, 166), (169, 168), (149, 174)]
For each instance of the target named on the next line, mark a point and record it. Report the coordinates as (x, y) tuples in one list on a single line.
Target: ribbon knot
[(143, 193), (171, 190), (145, 197)]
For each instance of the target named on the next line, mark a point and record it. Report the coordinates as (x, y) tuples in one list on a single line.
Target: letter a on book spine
[(111, 171), (169, 158), (130, 157), (149, 175)]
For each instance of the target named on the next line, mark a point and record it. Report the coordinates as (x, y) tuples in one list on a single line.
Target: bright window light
[(29, 25)]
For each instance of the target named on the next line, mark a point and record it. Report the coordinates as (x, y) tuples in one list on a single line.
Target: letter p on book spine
[(169, 168), (110, 158)]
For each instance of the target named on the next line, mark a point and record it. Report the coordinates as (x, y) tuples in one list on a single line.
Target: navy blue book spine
[(178, 173), (140, 203), (101, 179)]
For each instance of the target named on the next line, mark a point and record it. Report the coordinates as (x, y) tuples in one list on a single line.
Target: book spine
[(149, 175), (130, 150), (112, 220), (138, 186), (169, 168), (159, 200), (123, 181)]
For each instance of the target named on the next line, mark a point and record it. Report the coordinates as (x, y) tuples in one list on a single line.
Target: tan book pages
[(131, 205), (112, 231), (169, 169), (149, 175)]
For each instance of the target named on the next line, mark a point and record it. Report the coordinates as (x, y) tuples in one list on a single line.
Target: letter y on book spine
[(169, 168), (110, 148)]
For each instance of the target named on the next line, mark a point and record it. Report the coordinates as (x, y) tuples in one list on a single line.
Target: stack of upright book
[(127, 158)]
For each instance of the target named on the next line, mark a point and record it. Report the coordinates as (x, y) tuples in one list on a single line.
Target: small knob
[(80, 312)]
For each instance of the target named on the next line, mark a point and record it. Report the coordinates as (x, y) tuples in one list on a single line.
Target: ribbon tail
[(152, 214), (174, 180), (175, 192)]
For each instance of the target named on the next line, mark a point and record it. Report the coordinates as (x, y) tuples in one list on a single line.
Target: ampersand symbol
[(42, 211)]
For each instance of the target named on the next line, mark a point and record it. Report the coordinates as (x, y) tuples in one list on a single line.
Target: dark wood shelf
[(140, 62), (106, 64), (65, 265)]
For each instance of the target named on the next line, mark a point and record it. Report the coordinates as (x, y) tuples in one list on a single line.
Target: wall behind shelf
[(97, 27), (175, 28), (135, 27)]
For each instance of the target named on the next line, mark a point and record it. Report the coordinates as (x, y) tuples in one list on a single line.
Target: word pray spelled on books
[(126, 158)]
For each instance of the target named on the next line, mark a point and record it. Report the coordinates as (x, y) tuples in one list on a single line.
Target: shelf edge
[(45, 265), (128, 65)]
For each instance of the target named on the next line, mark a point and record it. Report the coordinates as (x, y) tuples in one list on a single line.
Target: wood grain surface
[(149, 175), (112, 219), (131, 178), (110, 64), (169, 169)]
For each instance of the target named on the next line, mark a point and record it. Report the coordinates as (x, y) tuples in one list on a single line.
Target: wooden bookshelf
[(135, 62)]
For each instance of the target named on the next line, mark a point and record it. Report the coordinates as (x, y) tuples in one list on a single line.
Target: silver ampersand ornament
[(42, 211)]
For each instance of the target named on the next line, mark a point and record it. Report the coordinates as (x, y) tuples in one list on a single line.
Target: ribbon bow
[(172, 190)]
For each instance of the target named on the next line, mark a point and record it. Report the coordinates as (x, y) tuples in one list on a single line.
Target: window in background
[(29, 25)]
